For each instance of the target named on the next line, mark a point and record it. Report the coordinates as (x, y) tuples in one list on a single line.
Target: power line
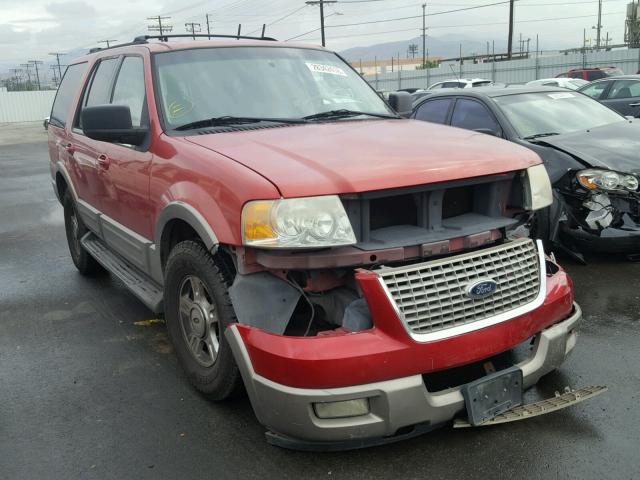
[(281, 18)]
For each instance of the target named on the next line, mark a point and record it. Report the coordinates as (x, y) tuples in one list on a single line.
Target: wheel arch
[(63, 182), (181, 214)]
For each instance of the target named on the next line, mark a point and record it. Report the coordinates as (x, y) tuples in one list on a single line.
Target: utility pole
[(58, 54), (510, 42), (54, 69), (424, 35), (159, 27), (584, 48), (599, 27), (27, 66), (322, 3), (36, 63), (107, 42), (192, 28), (208, 26), (607, 40)]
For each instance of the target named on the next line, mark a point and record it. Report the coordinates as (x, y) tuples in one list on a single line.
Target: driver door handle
[(637, 104), (70, 148), (104, 161)]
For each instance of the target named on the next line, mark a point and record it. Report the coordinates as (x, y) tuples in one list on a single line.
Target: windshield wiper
[(540, 135), (228, 120), (344, 113)]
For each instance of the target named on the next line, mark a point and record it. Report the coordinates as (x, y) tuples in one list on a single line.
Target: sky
[(31, 29)]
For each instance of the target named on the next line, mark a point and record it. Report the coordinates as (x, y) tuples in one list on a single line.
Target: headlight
[(309, 222), (594, 179), (538, 192)]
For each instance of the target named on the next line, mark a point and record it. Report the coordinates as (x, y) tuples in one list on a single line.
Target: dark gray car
[(620, 93), (592, 155)]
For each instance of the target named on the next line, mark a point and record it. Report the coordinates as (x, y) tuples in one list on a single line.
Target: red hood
[(357, 156)]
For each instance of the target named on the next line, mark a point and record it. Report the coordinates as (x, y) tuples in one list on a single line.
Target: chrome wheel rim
[(75, 232), (198, 321)]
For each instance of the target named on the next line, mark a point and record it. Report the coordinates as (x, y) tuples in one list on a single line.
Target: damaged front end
[(599, 212)]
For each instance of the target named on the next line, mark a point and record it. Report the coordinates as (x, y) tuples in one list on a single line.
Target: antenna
[(454, 72)]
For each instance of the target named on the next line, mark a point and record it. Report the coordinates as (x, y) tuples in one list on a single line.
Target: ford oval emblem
[(482, 288)]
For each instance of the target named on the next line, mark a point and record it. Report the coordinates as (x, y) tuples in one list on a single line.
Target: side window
[(595, 75), (66, 93), (452, 85), (595, 89), (129, 88), (434, 111), (100, 88), (624, 89), (550, 84), (577, 74), (470, 114), (435, 86)]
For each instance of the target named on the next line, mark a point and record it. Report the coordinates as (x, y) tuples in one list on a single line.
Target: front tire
[(197, 312), (75, 229)]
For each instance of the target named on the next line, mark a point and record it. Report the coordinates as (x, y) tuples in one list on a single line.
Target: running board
[(560, 401), (149, 292)]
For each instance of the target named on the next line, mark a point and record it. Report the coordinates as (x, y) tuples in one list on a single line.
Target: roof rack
[(165, 38)]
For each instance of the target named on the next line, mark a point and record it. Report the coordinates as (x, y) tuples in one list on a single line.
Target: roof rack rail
[(165, 38)]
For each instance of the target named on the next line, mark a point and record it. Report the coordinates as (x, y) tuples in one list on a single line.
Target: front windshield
[(554, 113), (258, 82)]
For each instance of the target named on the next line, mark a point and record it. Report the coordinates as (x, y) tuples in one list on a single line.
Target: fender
[(187, 213), (62, 170)]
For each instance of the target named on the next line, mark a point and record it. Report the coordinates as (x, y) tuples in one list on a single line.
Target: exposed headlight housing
[(594, 179), (537, 188), (309, 222)]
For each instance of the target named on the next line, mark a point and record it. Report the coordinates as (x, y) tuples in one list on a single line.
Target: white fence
[(25, 106), (514, 71)]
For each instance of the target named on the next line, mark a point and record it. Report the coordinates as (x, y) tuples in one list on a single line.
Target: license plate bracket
[(492, 395)]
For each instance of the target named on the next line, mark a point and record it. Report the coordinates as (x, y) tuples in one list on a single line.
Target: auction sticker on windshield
[(320, 68), (558, 96)]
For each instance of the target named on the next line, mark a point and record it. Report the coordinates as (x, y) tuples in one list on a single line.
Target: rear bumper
[(398, 404)]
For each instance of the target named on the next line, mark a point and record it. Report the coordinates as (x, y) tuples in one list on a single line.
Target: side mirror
[(488, 131), (111, 123), (401, 102)]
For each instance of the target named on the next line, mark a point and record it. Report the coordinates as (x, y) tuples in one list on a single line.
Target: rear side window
[(470, 114), (595, 90), (100, 89), (577, 74), (452, 85), (595, 75), (66, 93), (624, 89), (434, 111), (129, 88)]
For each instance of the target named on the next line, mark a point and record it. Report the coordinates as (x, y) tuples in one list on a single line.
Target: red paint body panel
[(386, 351), (358, 156)]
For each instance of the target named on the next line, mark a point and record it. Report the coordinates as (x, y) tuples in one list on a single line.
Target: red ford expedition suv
[(356, 271)]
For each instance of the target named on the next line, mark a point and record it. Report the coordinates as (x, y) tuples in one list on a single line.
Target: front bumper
[(398, 407), (609, 240)]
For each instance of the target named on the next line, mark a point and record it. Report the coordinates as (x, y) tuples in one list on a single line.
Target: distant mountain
[(446, 46)]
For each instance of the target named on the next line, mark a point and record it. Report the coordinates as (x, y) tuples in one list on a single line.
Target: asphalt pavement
[(90, 387)]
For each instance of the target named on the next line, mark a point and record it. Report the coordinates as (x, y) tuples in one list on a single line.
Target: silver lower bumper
[(394, 404)]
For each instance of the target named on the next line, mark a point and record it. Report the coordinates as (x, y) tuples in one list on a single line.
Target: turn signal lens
[(256, 221)]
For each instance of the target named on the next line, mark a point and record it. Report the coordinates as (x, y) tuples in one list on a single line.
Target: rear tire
[(197, 311), (75, 229)]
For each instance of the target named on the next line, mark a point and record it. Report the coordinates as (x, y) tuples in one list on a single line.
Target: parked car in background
[(461, 83), (591, 74), (347, 265), (620, 93), (590, 151), (568, 83), (419, 94)]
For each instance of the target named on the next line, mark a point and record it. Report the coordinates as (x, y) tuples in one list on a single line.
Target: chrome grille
[(432, 297)]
